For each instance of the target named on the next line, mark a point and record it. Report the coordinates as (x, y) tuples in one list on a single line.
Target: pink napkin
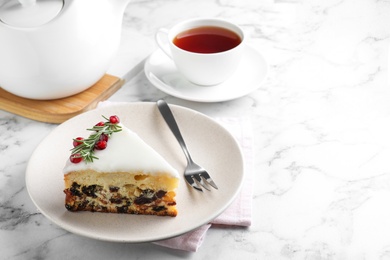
[(239, 213)]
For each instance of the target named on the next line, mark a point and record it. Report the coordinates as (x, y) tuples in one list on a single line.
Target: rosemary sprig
[(86, 148)]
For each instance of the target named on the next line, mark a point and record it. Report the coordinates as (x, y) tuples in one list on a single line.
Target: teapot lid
[(29, 13)]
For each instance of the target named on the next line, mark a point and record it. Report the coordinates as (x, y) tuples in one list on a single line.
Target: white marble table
[(322, 136)]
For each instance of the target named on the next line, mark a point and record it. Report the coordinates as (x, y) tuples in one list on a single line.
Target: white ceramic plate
[(163, 74), (211, 145)]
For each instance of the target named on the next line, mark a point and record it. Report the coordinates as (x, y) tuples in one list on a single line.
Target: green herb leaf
[(86, 149)]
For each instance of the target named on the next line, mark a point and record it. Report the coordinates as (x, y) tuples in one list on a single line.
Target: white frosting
[(125, 151)]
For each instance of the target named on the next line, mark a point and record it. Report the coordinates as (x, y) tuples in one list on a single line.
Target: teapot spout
[(27, 3), (120, 5)]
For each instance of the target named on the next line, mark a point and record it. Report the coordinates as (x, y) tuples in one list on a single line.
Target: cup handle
[(161, 38)]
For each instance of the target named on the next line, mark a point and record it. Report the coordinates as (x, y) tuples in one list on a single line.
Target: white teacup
[(209, 68)]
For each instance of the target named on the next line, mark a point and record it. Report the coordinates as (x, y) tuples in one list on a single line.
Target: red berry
[(75, 158), (77, 141), (103, 137), (100, 145), (114, 119), (100, 124)]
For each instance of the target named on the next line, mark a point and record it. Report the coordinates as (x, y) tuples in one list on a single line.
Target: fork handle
[(171, 122)]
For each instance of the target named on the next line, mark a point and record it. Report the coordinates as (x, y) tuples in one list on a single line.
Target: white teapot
[(52, 49)]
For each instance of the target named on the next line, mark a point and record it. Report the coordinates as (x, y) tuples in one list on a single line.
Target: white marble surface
[(321, 123)]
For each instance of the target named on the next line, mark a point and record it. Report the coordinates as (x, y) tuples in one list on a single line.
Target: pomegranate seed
[(75, 158), (100, 124), (114, 119), (100, 145), (103, 137), (77, 141)]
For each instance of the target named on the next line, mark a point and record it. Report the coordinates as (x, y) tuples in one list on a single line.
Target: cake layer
[(157, 181), (132, 193)]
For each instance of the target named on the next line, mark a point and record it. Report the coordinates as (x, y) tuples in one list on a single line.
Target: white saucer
[(162, 73)]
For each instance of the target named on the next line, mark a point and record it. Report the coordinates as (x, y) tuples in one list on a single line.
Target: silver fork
[(194, 174)]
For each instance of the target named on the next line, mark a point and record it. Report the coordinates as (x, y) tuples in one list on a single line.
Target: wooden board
[(59, 110)]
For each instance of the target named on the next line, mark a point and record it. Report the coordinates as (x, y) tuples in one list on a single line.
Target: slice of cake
[(114, 170)]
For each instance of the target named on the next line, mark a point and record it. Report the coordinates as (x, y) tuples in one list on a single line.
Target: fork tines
[(197, 181)]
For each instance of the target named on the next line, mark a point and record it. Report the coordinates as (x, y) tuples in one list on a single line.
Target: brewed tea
[(207, 39)]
